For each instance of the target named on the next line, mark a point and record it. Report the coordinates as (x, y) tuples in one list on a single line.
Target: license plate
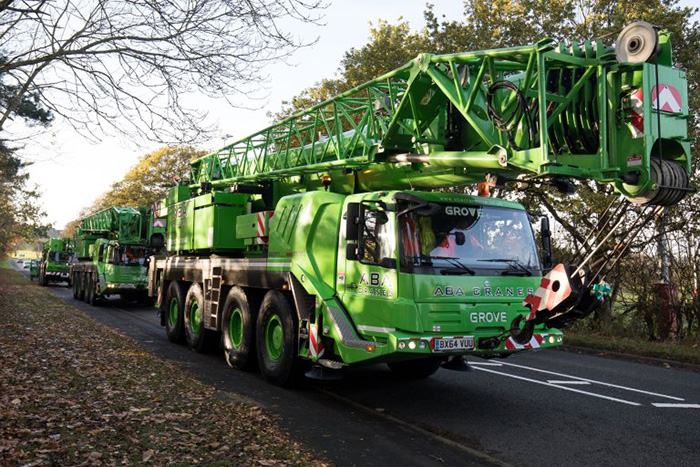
[(447, 344)]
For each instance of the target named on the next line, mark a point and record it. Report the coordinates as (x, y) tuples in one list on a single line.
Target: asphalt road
[(542, 408)]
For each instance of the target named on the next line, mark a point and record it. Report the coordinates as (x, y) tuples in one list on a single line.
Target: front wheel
[(174, 324), (198, 337), (276, 340), (238, 329), (416, 369)]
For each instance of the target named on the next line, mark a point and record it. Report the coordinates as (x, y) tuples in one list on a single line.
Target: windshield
[(130, 255), (467, 238)]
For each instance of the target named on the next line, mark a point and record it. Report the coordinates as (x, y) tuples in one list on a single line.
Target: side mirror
[(546, 243), (352, 231), (460, 238)]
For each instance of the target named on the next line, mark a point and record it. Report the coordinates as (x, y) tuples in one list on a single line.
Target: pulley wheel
[(637, 43), (672, 180)]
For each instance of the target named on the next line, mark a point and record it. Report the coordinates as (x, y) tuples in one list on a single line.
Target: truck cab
[(410, 275), (113, 268), (55, 258)]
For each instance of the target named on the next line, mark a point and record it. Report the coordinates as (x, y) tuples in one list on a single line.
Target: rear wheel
[(81, 286), (276, 340), (238, 329), (93, 299), (175, 305), (76, 289), (89, 289), (416, 369), (42, 278), (198, 337)]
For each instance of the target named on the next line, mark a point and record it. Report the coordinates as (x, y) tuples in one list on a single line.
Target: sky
[(72, 172)]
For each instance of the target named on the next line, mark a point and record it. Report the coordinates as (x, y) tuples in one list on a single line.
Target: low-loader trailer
[(319, 243)]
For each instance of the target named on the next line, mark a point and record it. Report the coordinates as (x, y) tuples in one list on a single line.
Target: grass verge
[(75, 392), (681, 352)]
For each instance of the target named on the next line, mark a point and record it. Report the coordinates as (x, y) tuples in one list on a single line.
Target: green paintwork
[(405, 112), (424, 126), (205, 222), (172, 313), (195, 317), (235, 327), (109, 237), (34, 268), (55, 257), (274, 338)]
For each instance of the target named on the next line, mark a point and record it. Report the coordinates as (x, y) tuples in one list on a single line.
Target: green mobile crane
[(112, 251), (316, 243), (54, 265)]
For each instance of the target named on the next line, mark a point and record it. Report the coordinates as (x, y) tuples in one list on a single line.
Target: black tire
[(75, 283), (174, 320), (238, 329), (280, 365), (89, 289), (43, 281), (416, 369), (198, 337), (81, 286), (94, 299)]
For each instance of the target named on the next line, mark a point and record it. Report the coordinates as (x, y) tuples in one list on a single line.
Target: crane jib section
[(539, 111)]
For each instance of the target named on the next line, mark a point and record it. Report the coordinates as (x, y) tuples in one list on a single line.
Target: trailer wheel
[(174, 324), (198, 337), (415, 369), (89, 289), (238, 329), (276, 340), (81, 287)]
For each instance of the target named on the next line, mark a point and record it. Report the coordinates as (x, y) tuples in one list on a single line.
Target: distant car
[(26, 265), (20, 261)]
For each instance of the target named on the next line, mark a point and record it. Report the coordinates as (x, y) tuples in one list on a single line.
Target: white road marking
[(556, 381), (564, 388), (485, 363), (617, 386), (676, 406)]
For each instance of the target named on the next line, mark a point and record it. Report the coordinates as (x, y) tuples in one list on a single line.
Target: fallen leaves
[(75, 392)]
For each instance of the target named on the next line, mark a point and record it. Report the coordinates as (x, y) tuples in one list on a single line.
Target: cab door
[(367, 278)]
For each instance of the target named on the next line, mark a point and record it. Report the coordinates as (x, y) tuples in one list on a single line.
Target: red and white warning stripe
[(534, 343), (554, 289), (637, 113), (315, 344), (666, 98), (263, 227)]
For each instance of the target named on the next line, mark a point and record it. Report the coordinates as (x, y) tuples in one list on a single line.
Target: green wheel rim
[(172, 315), (195, 317), (235, 327), (274, 338)]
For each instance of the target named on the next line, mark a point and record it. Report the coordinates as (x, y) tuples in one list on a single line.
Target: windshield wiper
[(458, 269), (512, 262)]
